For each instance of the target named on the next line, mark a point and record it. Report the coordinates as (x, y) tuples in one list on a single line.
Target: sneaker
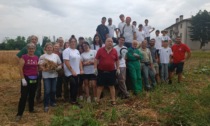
[(18, 118), (89, 100), (46, 109)]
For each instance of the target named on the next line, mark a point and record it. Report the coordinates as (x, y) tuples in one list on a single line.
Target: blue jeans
[(148, 73), (164, 71), (49, 91)]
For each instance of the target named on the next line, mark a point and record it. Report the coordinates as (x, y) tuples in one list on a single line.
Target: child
[(165, 54)]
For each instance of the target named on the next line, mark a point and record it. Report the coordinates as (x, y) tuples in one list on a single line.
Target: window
[(180, 35), (180, 25)]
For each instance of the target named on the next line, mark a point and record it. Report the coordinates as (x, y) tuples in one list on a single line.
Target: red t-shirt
[(30, 67), (106, 60), (179, 51)]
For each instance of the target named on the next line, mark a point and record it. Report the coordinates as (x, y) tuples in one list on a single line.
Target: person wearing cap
[(28, 66), (102, 30), (129, 32), (121, 24), (147, 29), (112, 28), (165, 37), (140, 35)]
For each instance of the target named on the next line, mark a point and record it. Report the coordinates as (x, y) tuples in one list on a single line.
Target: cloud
[(81, 17)]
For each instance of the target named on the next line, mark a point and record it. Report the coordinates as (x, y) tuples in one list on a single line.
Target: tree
[(200, 29), (13, 44), (45, 40)]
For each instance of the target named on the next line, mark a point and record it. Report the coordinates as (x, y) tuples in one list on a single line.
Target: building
[(181, 28)]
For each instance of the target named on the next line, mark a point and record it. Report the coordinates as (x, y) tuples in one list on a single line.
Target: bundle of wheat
[(49, 65)]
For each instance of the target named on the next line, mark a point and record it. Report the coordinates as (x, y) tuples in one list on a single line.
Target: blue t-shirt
[(102, 31)]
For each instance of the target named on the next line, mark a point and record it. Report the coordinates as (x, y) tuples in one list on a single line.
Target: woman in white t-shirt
[(72, 68), (49, 63), (97, 43), (88, 57)]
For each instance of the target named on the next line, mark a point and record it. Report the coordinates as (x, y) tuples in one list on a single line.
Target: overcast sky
[(81, 17)]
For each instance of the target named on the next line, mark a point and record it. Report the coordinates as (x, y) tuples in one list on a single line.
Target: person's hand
[(58, 68), (81, 72), (96, 71), (118, 71), (136, 55), (171, 60), (24, 83), (74, 73)]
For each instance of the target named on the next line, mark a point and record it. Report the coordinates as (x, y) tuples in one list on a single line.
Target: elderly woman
[(72, 68), (49, 63), (29, 74), (88, 57), (38, 52)]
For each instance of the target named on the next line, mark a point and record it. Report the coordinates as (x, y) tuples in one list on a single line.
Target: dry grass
[(8, 57)]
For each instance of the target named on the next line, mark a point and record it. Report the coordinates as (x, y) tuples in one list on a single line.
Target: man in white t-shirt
[(140, 35), (121, 24), (158, 40), (112, 28), (129, 32), (147, 29), (121, 52)]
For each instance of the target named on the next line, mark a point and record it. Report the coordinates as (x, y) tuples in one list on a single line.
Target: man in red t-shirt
[(181, 52), (105, 61)]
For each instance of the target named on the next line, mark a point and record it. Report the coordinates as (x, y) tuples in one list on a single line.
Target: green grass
[(180, 104)]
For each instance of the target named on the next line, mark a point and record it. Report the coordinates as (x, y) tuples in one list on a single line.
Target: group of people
[(71, 68)]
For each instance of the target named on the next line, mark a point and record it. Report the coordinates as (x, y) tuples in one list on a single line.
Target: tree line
[(20, 41)]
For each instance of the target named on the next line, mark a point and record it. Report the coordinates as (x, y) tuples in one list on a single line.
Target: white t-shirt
[(52, 57), (111, 28), (128, 32), (140, 36), (165, 54), (122, 60), (97, 47), (120, 26), (147, 30), (158, 42), (88, 56), (166, 37), (74, 58)]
